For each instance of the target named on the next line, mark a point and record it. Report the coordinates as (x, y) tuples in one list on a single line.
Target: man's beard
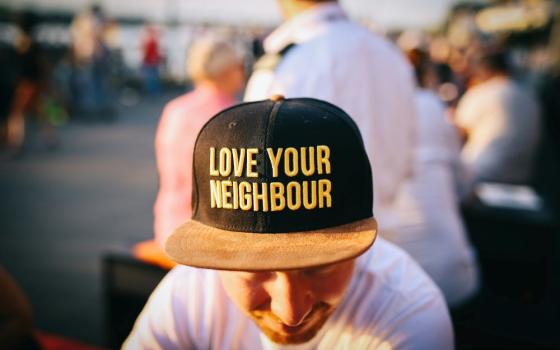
[(310, 326)]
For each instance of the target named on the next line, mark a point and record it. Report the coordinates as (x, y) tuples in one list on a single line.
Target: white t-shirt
[(503, 125), (390, 304), (429, 226), (343, 63)]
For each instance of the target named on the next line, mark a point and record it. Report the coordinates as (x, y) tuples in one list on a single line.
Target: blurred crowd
[(94, 63), (485, 109), (61, 67)]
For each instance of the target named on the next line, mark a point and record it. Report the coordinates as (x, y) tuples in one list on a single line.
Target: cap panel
[(324, 105), (309, 131), (238, 131)]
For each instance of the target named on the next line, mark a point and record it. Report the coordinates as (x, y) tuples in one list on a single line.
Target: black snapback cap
[(277, 184)]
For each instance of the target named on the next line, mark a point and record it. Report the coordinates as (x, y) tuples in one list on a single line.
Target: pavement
[(61, 210)]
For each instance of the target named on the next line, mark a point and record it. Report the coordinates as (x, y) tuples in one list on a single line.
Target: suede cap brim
[(199, 245)]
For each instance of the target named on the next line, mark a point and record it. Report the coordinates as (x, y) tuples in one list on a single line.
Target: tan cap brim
[(199, 245)]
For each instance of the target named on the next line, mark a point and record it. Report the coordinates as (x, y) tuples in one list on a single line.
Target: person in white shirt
[(390, 304), (501, 123), (281, 230), (431, 229), (319, 52)]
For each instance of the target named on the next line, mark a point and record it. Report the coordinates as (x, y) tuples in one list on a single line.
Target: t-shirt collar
[(303, 27)]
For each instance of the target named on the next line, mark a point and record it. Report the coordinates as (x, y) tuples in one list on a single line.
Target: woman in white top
[(429, 225)]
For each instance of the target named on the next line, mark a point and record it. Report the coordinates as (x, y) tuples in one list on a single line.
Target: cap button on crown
[(277, 98)]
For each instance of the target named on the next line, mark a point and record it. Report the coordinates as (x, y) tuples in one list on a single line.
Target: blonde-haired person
[(216, 68)]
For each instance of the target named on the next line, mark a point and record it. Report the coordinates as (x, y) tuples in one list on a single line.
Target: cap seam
[(267, 141)]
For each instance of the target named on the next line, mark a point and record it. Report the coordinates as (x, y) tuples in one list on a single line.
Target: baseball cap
[(278, 184)]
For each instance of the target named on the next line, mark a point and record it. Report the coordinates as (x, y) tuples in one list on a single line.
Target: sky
[(386, 13)]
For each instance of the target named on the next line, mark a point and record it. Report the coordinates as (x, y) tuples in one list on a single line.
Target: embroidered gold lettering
[(226, 195), (291, 162), (238, 161), (245, 197), (277, 200), (252, 162), (274, 160), (273, 196), (215, 194), (293, 192), (225, 162), (263, 196), (213, 170), (307, 169), (323, 155), (325, 193), (310, 200)]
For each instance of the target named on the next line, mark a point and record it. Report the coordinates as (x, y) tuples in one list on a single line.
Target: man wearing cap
[(277, 250), (319, 52)]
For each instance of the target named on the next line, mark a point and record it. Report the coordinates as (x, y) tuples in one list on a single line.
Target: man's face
[(289, 307)]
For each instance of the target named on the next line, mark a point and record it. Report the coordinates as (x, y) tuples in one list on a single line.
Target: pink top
[(181, 120)]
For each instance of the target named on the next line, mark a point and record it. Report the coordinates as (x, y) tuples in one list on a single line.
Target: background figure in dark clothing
[(29, 84)]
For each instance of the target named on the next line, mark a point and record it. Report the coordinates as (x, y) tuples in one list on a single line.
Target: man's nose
[(291, 298)]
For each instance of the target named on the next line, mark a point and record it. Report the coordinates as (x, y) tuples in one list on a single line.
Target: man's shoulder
[(476, 99), (394, 283), (491, 90), (348, 38), (178, 103), (394, 269), (182, 273), (343, 40), (393, 296), (178, 283)]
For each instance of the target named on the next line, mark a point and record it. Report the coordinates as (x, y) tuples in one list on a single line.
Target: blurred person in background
[(7, 84), (450, 84), (440, 77), (500, 121), (151, 60), (90, 62), (431, 228), (216, 68), (30, 83), (319, 52)]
